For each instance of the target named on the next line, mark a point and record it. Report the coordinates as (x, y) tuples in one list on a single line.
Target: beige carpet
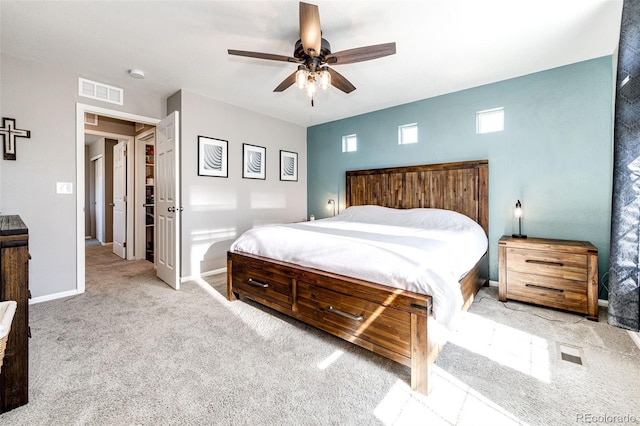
[(132, 351)]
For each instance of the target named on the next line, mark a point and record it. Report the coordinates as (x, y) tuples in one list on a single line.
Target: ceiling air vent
[(100, 91)]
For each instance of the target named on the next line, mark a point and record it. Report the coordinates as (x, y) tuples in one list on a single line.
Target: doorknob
[(171, 209), (111, 204)]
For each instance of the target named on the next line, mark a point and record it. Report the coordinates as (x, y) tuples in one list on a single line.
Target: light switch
[(64, 187)]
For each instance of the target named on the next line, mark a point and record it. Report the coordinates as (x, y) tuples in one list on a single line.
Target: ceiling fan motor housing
[(325, 49)]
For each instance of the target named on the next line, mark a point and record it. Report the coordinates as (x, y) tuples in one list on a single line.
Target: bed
[(397, 323)]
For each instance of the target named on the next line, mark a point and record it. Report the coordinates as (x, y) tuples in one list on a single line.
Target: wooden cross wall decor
[(9, 134)]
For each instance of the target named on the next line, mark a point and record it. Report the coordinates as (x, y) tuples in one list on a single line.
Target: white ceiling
[(442, 46)]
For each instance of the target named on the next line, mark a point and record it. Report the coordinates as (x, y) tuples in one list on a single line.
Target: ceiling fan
[(313, 55)]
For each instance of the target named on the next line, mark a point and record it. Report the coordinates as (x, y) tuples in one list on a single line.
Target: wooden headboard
[(460, 186)]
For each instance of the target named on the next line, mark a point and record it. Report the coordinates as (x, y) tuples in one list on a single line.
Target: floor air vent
[(570, 353)]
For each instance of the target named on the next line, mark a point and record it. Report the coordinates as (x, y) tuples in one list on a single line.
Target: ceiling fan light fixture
[(301, 77), (325, 78), (311, 85)]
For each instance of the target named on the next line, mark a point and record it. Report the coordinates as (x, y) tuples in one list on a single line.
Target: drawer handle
[(541, 287), (257, 283), (543, 262), (345, 314)]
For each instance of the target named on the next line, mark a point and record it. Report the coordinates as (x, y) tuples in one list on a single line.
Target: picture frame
[(213, 157), (254, 161), (288, 166)]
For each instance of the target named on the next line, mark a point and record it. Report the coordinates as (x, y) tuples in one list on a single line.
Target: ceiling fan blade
[(310, 33), (286, 83), (360, 54), (339, 82), (259, 55)]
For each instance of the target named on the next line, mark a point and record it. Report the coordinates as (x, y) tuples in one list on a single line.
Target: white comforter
[(425, 251)]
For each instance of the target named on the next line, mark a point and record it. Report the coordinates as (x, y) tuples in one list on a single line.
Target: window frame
[(345, 142), (401, 128), (486, 113)]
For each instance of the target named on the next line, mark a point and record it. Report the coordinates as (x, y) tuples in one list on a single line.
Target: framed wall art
[(253, 161), (213, 157), (288, 166)]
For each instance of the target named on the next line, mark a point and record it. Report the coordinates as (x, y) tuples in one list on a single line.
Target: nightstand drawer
[(556, 264), (551, 283), (554, 292)]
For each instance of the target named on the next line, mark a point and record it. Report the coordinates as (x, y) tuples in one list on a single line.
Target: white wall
[(217, 210), (43, 100)]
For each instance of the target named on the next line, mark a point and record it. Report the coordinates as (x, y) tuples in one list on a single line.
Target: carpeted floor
[(133, 351)]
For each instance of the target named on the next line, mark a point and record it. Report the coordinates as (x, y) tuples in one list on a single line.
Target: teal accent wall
[(555, 153)]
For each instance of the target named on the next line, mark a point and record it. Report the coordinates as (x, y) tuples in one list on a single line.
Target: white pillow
[(421, 218)]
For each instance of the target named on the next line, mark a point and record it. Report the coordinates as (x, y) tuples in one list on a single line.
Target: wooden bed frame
[(386, 320)]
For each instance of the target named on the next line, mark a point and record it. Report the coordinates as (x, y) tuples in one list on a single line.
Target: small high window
[(408, 133), (490, 120), (349, 143)]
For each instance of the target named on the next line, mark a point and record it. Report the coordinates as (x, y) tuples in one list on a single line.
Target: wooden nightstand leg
[(502, 272), (592, 287)]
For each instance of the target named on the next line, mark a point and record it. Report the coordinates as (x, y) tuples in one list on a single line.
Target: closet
[(145, 195)]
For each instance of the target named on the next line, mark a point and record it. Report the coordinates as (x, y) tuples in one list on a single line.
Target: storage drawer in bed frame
[(342, 314), (263, 283)]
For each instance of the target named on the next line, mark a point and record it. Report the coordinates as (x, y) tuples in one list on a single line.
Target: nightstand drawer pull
[(257, 283), (544, 262), (345, 314), (541, 287)]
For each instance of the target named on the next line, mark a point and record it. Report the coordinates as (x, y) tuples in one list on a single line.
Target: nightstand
[(561, 274)]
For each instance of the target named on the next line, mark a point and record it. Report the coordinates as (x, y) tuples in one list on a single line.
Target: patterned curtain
[(624, 271)]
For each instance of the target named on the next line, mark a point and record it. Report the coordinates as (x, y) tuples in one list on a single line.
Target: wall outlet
[(64, 187)]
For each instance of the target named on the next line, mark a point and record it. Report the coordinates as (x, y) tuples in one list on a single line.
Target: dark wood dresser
[(14, 285)]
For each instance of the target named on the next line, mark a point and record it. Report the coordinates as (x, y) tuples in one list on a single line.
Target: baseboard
[(601, 302), (53, 296), (203, 274)]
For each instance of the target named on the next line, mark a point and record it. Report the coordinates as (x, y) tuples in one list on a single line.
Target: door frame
[(139, 179), (81, 109)]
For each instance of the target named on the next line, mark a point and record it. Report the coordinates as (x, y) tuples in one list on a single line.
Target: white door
[(120, 199), (99, 198), (144, 200), (167, 197)]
